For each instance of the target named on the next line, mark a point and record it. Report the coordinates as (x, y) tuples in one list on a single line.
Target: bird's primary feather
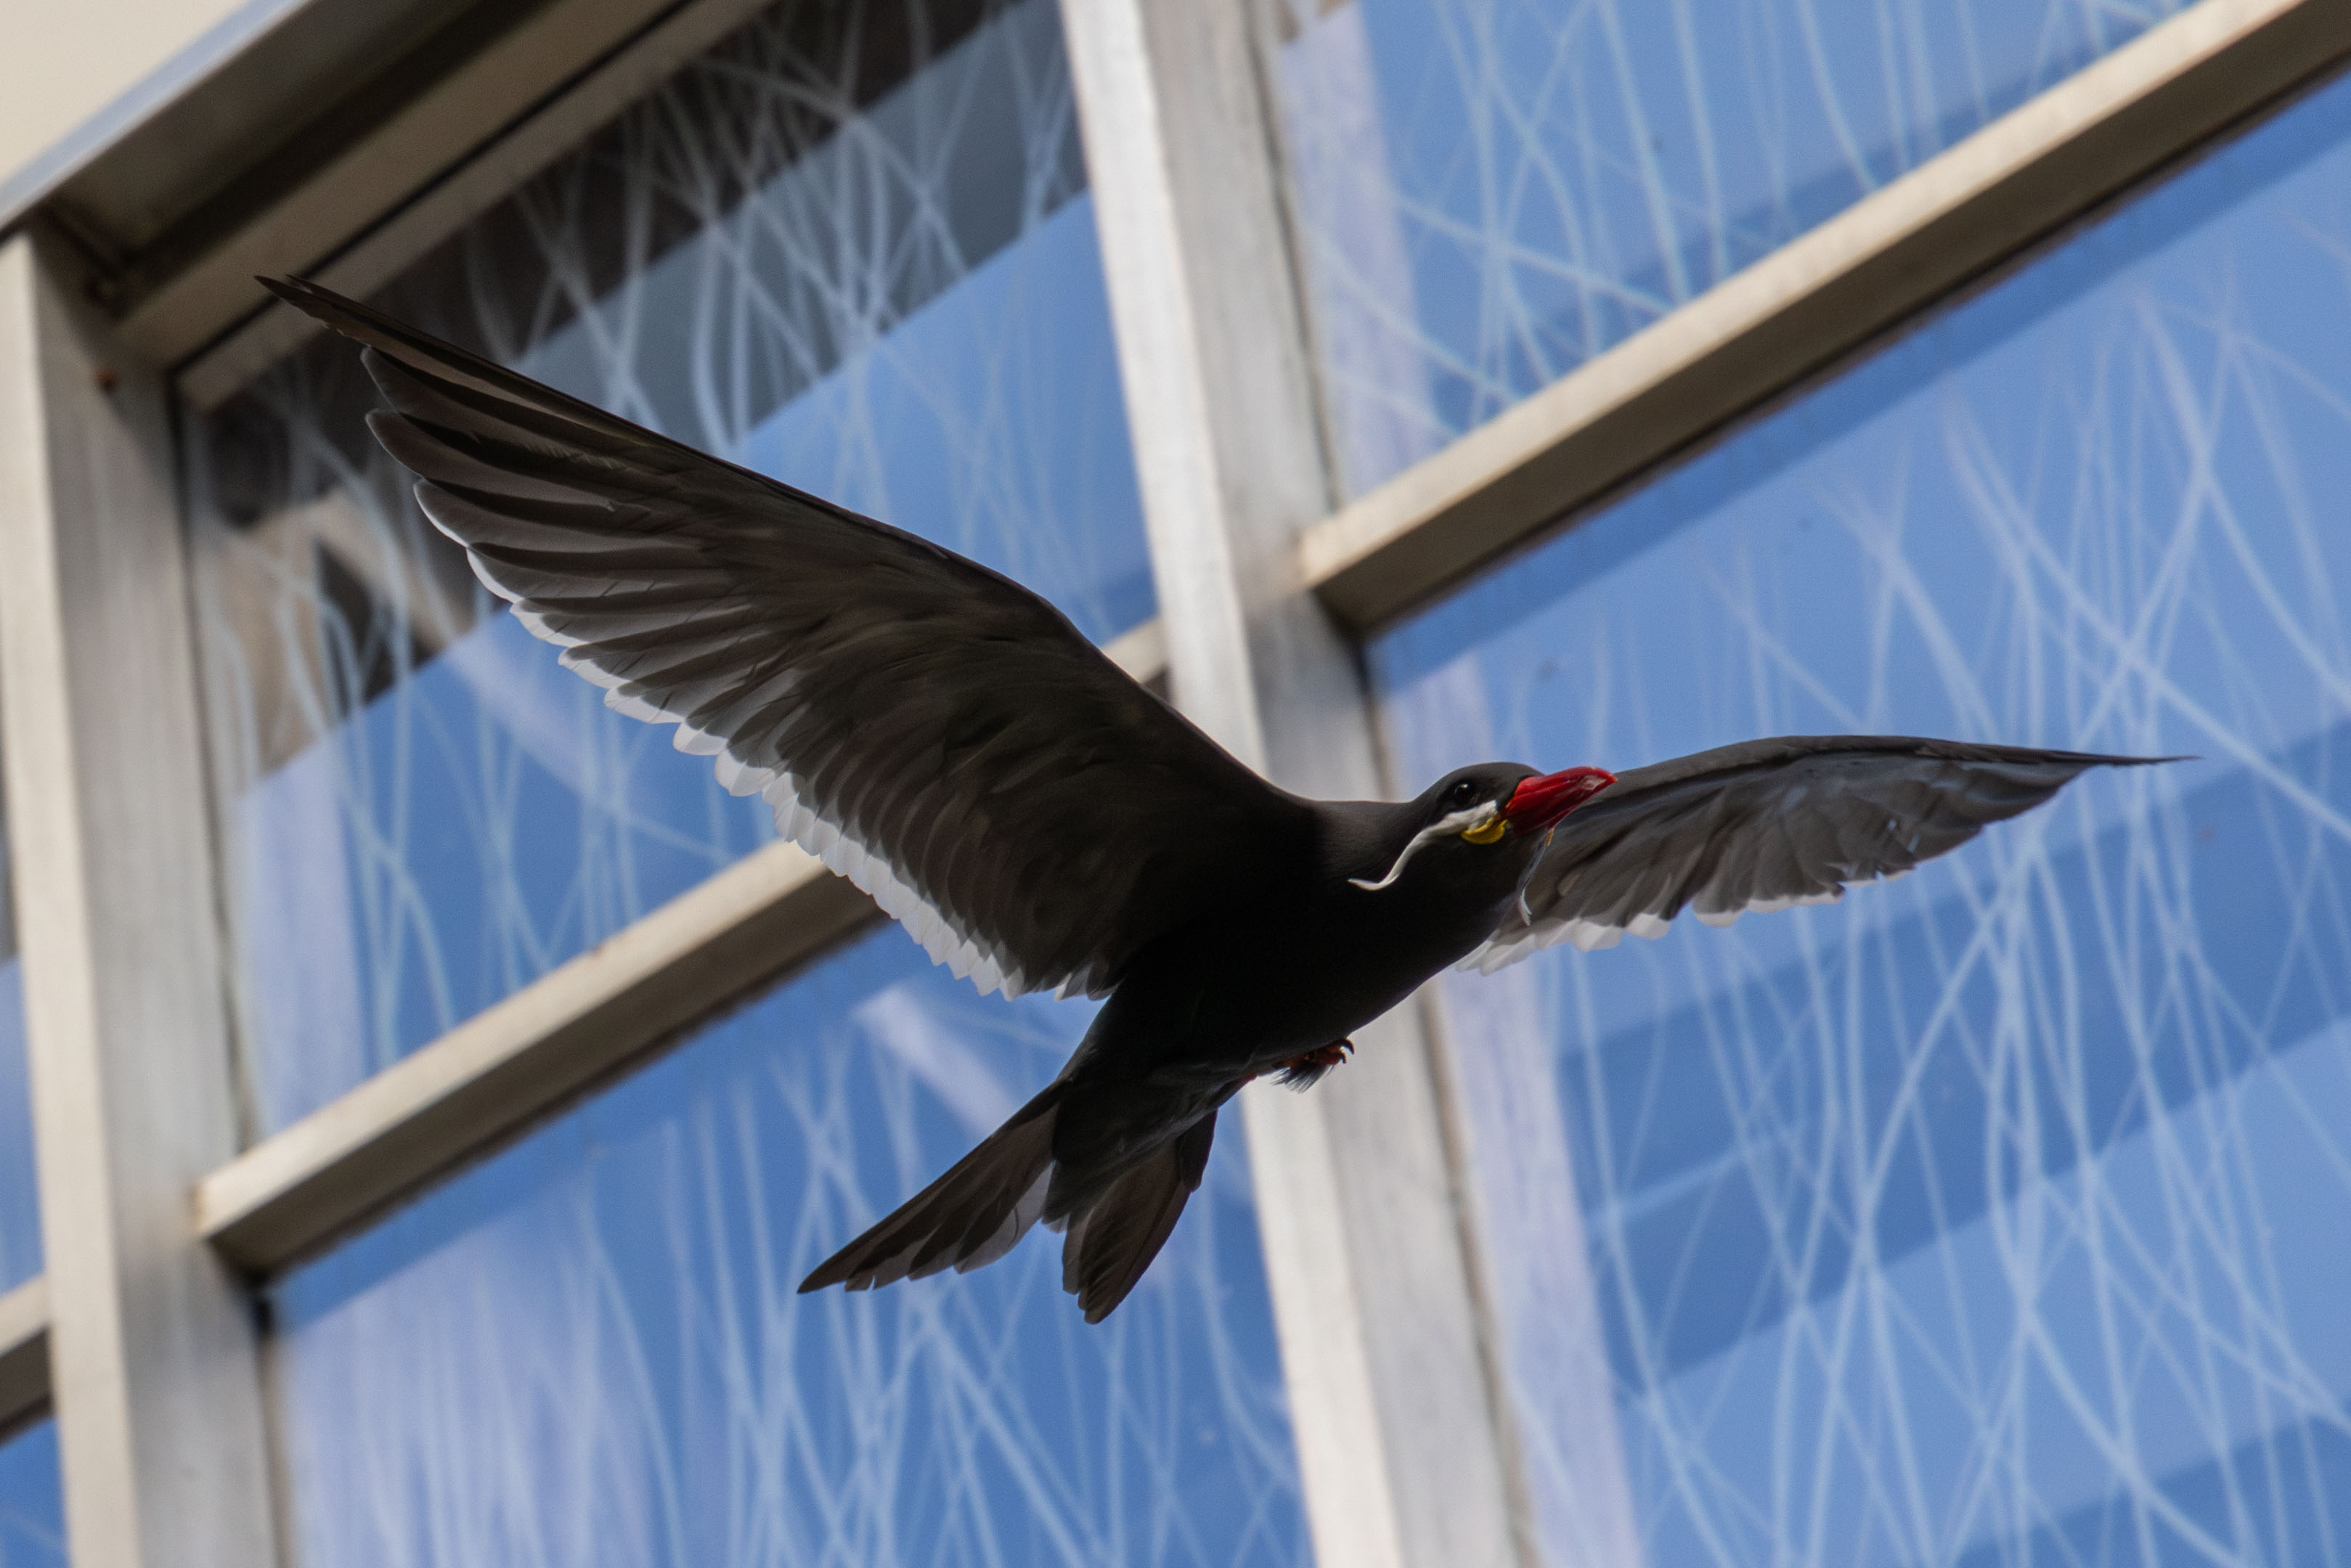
[(933, 731), (1766, 825)]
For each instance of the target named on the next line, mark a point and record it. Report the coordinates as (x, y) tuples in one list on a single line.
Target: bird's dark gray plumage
[(938, 733), (951, 743), (1764, 825)]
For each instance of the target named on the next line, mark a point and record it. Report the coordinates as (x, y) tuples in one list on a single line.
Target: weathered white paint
[(153, 1340)]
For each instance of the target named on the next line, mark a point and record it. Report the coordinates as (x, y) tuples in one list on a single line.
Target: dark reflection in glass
[(1489, 192), (589, 1352), (1994, 1215), (32, 1505), (852, 247)]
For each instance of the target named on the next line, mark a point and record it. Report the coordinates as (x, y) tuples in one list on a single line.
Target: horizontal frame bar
[(24, 1389), (528, 1057), (532, 64), (1817, 300), (523, 1058), (327, 252)]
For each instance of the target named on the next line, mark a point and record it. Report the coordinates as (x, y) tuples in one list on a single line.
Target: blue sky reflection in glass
[(1490, 193), (424, 813), (20, 1211), (1998, 1212), (588, 1351), (32, 1500)]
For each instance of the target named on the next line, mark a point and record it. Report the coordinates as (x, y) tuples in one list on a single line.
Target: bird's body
[(951, 743), (1298, 955)]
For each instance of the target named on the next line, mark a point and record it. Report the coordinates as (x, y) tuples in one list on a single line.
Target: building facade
[(420, 1087)]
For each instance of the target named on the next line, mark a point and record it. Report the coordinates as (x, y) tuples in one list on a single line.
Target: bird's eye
[(1461, 794)]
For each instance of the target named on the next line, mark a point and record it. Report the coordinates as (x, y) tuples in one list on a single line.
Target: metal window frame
[(152, 1345), (1265, 587)]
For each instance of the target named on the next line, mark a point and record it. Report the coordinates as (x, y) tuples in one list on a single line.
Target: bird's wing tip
[(837, 1269), (322, 304), (299, 292)]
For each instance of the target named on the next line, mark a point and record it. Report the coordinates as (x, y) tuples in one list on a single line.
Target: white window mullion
[(1402, 1454), (151, 1340)]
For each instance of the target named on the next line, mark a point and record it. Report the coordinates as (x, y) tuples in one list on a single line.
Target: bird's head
[(1489, 807)]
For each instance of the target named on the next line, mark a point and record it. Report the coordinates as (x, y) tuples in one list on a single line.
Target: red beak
[(1539, 802)]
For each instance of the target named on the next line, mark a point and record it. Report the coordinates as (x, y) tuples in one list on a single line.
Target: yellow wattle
[(1486, 833)]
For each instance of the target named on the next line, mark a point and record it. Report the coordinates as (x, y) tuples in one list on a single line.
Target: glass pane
[(851, 248), (1999, 1213), (1490, 193), (32, 1506), (20, 1212), (589, 1351)]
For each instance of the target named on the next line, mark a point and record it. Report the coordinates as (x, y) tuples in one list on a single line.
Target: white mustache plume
[(1468, 820)]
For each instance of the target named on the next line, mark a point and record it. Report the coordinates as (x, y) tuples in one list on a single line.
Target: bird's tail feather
[(975, 1213), (1114, 1237), (971, 1215)]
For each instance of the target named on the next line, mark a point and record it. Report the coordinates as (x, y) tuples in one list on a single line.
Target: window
[(589, 1351), (1490, 193), (853, 249), (1991, 1213)]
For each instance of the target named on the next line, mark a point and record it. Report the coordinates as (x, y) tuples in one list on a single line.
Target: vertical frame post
[(152, 1343), (1405, 1454)]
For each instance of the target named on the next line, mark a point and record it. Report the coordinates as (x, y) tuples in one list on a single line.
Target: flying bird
[(952, 744)]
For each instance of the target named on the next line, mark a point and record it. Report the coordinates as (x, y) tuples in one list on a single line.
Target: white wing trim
[(945, 938), (1591, 936)]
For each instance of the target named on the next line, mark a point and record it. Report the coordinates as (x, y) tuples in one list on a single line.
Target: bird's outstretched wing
[(1764, 825), (935, 732)]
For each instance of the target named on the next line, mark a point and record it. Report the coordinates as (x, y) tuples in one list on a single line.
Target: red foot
[(1301, 1071)]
